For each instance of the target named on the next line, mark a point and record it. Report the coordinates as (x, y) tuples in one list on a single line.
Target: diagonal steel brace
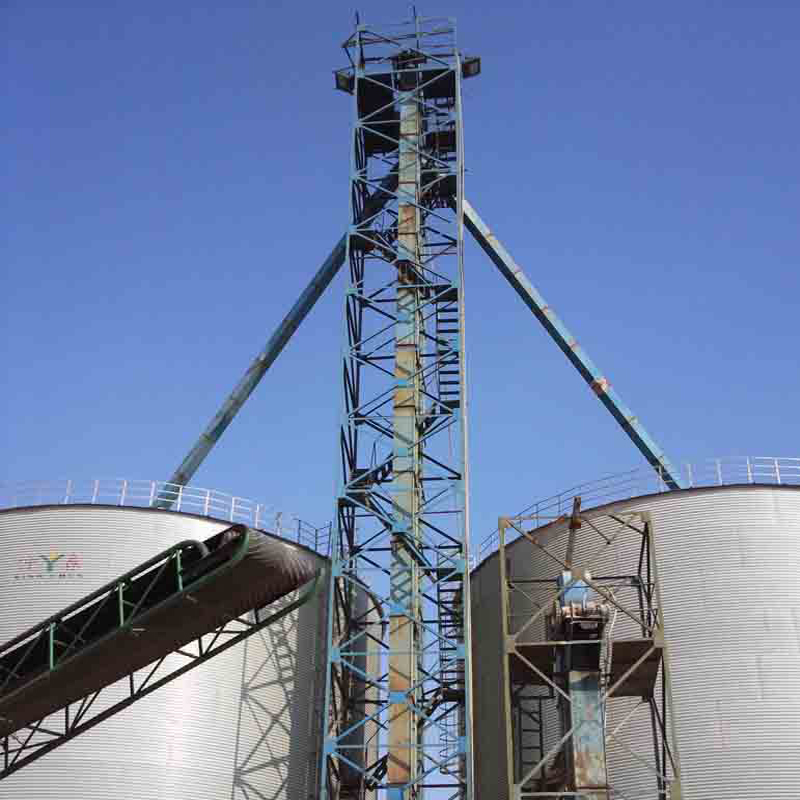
[(559, 332), (264, 360), (512, 273)]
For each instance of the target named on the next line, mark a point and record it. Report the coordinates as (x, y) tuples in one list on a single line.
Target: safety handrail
[(767, 470), (188, 499)]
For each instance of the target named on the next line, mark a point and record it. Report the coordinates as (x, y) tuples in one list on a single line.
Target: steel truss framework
[(59, 639), (539, 764), (402, 502), (398, 694)]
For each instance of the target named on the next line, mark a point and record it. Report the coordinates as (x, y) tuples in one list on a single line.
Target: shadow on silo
[(276, 736)]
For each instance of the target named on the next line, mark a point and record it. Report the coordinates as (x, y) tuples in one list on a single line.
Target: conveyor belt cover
[(170, 600)]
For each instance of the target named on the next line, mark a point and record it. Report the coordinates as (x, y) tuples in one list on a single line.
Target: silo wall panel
[(489, 725), (728, 560), (239, 726)]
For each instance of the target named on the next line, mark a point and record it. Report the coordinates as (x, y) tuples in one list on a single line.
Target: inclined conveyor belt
[(146, 614)]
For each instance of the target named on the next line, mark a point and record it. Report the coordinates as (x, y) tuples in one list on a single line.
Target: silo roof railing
[(187, 499), (765, 470)]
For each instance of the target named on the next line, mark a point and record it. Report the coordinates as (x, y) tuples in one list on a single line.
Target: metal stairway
[(448, 337)]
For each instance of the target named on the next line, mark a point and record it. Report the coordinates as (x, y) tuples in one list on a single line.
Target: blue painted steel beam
[(264, 360), (600, 385)]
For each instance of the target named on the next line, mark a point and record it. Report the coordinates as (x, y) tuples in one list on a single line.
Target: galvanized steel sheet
[(243, 725), (729, 564)]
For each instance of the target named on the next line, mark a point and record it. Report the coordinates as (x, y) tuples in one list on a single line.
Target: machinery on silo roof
[(356, 671)]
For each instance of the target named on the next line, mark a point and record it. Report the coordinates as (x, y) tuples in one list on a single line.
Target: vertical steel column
[(398, 715)]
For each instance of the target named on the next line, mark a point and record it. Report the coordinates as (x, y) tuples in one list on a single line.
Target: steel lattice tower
[(398, 710)]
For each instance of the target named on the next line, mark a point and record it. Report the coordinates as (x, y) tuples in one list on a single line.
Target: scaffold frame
[(640, 670)]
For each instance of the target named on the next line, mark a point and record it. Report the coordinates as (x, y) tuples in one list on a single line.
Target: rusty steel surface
[(734, 654), (405, 642), (587, 753)]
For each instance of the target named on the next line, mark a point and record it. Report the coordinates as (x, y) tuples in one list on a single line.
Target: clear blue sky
[(174, 172)]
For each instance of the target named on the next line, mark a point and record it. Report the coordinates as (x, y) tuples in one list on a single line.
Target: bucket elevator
[(563, 667), (397, 714), (401, 509)]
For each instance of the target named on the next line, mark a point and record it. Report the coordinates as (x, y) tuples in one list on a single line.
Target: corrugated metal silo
[(728, 560), (245, 724)]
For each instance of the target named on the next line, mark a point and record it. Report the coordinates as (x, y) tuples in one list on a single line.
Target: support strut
[(510, 270), (264, 360), (579, 358)]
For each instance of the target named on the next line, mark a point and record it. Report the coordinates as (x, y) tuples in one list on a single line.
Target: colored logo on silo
[(52, 565), (51, 560)]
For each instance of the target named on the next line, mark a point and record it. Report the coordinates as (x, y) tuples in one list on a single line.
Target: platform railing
[(187, 499), (231, 508), (644, 480)]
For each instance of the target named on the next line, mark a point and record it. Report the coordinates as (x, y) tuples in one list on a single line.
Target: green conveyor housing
[(146, 614)]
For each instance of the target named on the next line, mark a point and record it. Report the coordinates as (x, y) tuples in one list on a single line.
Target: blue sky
[(174, 175)]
